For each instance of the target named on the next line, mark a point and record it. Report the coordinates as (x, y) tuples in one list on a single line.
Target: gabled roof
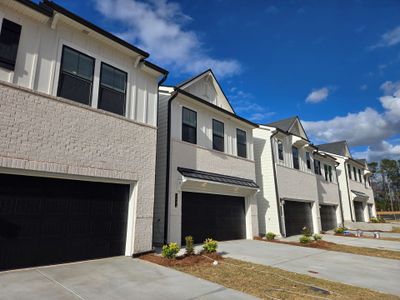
[(339, 148), (288, 125), (185, 84)]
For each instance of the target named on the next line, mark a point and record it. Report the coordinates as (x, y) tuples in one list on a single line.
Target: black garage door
[(359, 211), (47, 221), (213, 216), (328, 217), (297, 216)]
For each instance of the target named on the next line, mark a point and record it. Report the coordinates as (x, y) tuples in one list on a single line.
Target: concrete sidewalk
[(110, 278), (363, 242), (375, 273)]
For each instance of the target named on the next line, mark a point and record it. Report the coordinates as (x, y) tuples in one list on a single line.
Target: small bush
[(270, 236), (305, 239), (317, 237), (306, 231), (170, 251), (189, 245), (340, 230), (210, 245), (377, 220)]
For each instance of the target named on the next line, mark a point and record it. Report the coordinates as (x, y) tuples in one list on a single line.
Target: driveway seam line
[(60, 284), (297, 258)]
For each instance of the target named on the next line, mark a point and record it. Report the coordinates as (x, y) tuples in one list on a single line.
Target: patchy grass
[(345, 248), (395, 229), (268, 282)]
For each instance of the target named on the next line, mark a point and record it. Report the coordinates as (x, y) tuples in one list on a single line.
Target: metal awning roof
[(196, 174), (360, 194)]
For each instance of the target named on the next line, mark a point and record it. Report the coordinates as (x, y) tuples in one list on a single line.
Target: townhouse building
[(78, 117), (354, 180), (298, 183), (205, 179)]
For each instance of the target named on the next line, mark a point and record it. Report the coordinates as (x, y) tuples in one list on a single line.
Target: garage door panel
[(359, 211), (297, 216), (47, 221), (328, 217), (213, 216)]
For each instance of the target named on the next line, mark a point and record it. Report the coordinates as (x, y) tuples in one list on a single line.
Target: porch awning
[(202, 175), (359, 194)]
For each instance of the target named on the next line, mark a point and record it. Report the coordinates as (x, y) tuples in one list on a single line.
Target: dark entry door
[(359, 211), (47, 221), (328, 217), (213, 216), (297, 216)]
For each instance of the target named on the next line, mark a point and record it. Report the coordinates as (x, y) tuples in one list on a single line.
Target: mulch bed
[(184, 260), (320, 244)]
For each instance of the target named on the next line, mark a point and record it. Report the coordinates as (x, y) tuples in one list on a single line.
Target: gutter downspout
[(166, 208), (276, 187), (348, 193)]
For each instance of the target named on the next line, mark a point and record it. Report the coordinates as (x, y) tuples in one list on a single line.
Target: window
[(330, 173), (359, 175), (112, 90), (218, 135), (280, 150), (349, 170), (241, 143), (9, 40), (326, 172), (355, 173), (189, 125), (76, 76), (317, 167), (308, 160), (295, 153)]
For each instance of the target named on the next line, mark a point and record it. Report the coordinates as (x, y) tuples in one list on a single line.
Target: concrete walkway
[(383, 234), (363, 242), (375, 273), (111, 278)]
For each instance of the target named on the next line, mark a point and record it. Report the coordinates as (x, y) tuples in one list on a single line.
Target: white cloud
[(157, 26), (388, 39), (318, 95), (364, 87), (365, 128), (380, 151)]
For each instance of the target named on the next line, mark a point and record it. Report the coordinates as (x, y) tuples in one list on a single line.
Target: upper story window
[(280, 150), (317, 167), (295, 154), (189, 125), (308, 160), (241, 143), (218, 135), (9, 40), (359, 175), (112, 90), (355, 173), (76, 76), (349, 170), (326, 172), (330, 173)]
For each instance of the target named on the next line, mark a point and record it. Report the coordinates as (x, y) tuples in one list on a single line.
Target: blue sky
[(335, 64)]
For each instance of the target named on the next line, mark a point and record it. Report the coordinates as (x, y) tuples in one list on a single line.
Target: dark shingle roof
[(335, 147), (217, 177), (284, 124)]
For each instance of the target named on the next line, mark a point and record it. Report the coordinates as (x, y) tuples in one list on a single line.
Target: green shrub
[(340, 229), (270, 236), (170, 251), (189, 245), (317, 237), (210, 245), (306, 231), (374, 220), (305, 239)]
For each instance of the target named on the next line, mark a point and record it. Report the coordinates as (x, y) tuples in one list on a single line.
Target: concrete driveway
[(111, 278), (363, 242), (375, 273)]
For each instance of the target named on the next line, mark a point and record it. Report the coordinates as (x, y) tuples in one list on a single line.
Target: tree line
[(385, 182)]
